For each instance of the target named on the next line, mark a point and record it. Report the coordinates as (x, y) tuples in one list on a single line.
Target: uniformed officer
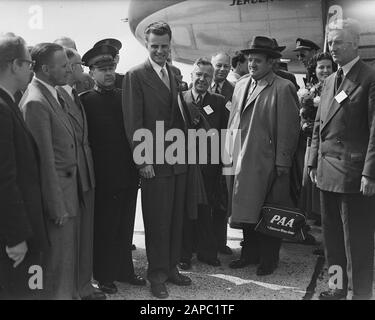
[(306, 49), (116, 174), (118, 45)]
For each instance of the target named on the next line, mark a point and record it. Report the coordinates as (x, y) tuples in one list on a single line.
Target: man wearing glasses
[(86, 176), (306, 49), (23, 236)]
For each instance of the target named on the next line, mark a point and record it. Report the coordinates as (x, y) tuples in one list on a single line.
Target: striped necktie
[(165, 78)]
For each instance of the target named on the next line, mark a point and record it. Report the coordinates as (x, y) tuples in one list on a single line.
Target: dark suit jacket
[(55, 137), (146, 100), (218, 120), (21, 209), (343, 145), (113, 158), (79, 122), (227, 90)]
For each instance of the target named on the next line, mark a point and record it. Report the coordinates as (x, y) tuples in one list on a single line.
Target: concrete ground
[(289, 282)]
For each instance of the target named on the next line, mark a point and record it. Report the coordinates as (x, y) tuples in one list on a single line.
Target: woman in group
[(310, 97)]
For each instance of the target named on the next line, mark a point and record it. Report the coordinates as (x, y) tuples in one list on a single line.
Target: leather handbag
[(282, 222)]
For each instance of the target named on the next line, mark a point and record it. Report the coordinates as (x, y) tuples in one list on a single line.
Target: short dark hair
[(43, 52), (238, 57), (159, 28), (12, 47)]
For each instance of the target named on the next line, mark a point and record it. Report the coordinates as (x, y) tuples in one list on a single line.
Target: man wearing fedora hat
[(265, 110)]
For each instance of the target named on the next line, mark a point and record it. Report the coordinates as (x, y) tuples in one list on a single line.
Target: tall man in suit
[(85, 174), (46, 116), (116, 175), (207, 111), (342, 164), (23, 235), (150, 95), (220, 85)]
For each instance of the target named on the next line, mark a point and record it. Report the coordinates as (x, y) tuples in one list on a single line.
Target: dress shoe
[(185, 265), (265, 271), (333, 294), (211, 262), (225, 250), (96, 295), (180, 280), (108, 287), (135, 280), (159, 290), (241, 263)]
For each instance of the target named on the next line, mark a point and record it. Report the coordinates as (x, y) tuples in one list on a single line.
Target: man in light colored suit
[(150, 95), (86, 177), (342, 164), (46, 116), (265, 110)]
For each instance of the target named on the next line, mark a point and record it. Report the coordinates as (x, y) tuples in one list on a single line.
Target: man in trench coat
[(265, 109)]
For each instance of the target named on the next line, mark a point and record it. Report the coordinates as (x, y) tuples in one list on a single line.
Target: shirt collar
[(195, 94), (69, 90), (156, 67), (346, 68), (8, 92), (49, 87), (213, 83)]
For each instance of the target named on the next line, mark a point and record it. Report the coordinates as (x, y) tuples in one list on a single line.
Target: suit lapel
[(258, 89), (74, 109), (62, 116), (242, 94), (348, 85), (154, 81)]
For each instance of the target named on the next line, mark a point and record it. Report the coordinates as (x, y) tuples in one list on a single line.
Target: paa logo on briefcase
[(276, 219)]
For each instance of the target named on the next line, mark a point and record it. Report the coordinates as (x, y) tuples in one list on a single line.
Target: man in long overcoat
[(265, 109)]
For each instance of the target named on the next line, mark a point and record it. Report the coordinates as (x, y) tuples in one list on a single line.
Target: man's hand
[(313, 175), (367, 186), (147, 172), (17, 253), (282, 170)]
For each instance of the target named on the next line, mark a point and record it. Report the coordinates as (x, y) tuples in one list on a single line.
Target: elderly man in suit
[(46, 116), (150, 95), (207, 111), (265, 110), (342, 164), (85, 174), (221, 62), (23, 236)]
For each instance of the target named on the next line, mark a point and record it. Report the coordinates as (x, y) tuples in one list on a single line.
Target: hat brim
[(281, 48), (302, 48), (270, 53)]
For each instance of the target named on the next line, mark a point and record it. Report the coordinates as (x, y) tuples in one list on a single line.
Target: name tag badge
[(341, 97), (228, 105), (208, 110)]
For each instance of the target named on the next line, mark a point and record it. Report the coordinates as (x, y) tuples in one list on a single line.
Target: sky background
[(85, 21)]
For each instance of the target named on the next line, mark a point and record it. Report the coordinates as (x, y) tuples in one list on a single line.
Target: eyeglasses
[(31, 63), (301, 55)]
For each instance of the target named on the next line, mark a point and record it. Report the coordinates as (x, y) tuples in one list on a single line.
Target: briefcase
[(282, 222)]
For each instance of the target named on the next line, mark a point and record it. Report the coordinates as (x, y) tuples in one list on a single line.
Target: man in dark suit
[(150, 96), (306, 49), (207, 111), (23, 235), (46, 116), (115, 172), (222, 63), (342, 164), (86, 177)]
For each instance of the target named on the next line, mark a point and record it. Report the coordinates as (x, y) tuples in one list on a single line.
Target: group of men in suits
[(68, 182)]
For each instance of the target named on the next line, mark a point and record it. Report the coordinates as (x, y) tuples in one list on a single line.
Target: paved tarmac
[(289, 282)]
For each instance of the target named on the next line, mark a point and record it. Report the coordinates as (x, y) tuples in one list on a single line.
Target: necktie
[(164, 78), (198, 101), (251, 89), (217, 88), (62, 102), (339, 76)]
